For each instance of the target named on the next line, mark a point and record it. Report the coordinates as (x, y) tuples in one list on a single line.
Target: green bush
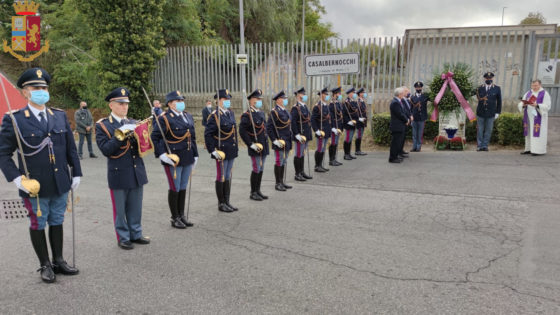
[(380, 128), (509, 129)]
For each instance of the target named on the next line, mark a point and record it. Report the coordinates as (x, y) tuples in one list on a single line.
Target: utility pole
[(503, 11), (242, 51)]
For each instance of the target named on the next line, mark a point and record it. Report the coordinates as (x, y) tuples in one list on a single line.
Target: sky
[(372, 18)]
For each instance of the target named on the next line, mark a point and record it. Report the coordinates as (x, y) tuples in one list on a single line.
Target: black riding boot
[(221, 201), (181, 207), (283, 168), (254, 182), (58, 263), (318, 167), (172, 197), (39, 242), (359, 147), (299, 169), (227, 189), (259, 181), (278, 177), (347, 151)]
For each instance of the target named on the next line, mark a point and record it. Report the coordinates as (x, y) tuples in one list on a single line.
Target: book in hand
[(531, 100)]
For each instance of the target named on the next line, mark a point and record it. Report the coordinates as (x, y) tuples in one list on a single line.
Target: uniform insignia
[(39, 73), (227, 92), (171, 114), (50, 112), (110, 119), (123, 92), (26, 113), (178, 93), (57, 109), (100, 120)]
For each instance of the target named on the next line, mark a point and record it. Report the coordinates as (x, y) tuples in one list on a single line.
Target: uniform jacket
[(53, 175), (489, 102), (350, 111), (337, 117), (321, 119), (282, 130), (248, 136), (180, 135), (363, 113), (420, 113), (125, 167), (229, 142), (301, 117)]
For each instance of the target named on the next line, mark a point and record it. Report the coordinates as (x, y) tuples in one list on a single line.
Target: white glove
[(334, 131), (277, 143), (216, 155), (318, 133), (165, 159), (299, 138), (496, 116), (17, 181), (254, 147), (362, 119), (75, 183), (195, 161), (351, 123), (127, 127)]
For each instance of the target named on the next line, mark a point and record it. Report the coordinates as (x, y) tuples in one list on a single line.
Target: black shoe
[(279, 187), (526, 152), (394, 161), (403, 156), (286, 186), (279, 177), (255, 196), (47, 273), (331, 163), (224, 208), (485, 149), (143, 240), (64, 268), (536, 154), (347, 157), (299, 178), (177, 223), (360, 153), (306, 176), (479, 149), (227, 187), (337, 163), (93, 156), (319, 169), (352, 157), (404, 153), (126, 245), (259, 186)]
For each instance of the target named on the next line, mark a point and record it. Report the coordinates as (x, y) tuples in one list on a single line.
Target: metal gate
[(543, 62)]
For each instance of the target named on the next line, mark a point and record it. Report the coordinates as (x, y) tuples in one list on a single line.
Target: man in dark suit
[(420, 114), (206, 111), (407, 110), (49, 148), (399, 121), (489, 108)]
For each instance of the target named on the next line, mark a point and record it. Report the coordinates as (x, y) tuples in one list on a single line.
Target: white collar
[(176, 112), (36, 111), (300, 103), (531, 90), (117, 118)]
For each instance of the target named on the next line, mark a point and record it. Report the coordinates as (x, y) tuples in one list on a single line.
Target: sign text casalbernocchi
[(332, 64)]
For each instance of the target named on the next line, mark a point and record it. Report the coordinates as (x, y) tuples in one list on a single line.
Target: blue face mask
[(365, 95), (354, 96), (339, 98), (285, 102), (304, 98), (39, 97), (258, 104), (327, 98), (180, 106), (227, 104)]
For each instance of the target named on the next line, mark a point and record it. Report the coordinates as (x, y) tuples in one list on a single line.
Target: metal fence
[(385, 63)]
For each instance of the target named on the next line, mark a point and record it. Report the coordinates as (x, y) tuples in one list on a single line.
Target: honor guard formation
[(49, 163)]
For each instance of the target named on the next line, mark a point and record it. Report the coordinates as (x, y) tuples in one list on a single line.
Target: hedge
[(508, 129)]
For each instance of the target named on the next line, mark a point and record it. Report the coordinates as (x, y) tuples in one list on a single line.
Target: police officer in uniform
[(321, 124), (252, 130), (178, 129), (489, 108), (351, 114), (420, 114), (221, 141), (126, 173), (362, 121), (279, 132), (337, 122), (301, 131), (49, 148)]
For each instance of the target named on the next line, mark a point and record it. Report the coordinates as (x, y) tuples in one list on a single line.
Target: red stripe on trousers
[(114, 214)]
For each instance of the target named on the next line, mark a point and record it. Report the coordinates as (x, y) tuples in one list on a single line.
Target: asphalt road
[(442, 233)]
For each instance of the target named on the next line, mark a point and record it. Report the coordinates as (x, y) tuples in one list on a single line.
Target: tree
[(128, 36), (533, 18), (181, 23)]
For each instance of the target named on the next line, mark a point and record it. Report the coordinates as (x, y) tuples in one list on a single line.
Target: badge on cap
[(123, 92), (178, 93), (39, 73)]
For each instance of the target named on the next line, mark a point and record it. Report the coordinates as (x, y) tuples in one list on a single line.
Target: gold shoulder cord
[(125, 148)]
